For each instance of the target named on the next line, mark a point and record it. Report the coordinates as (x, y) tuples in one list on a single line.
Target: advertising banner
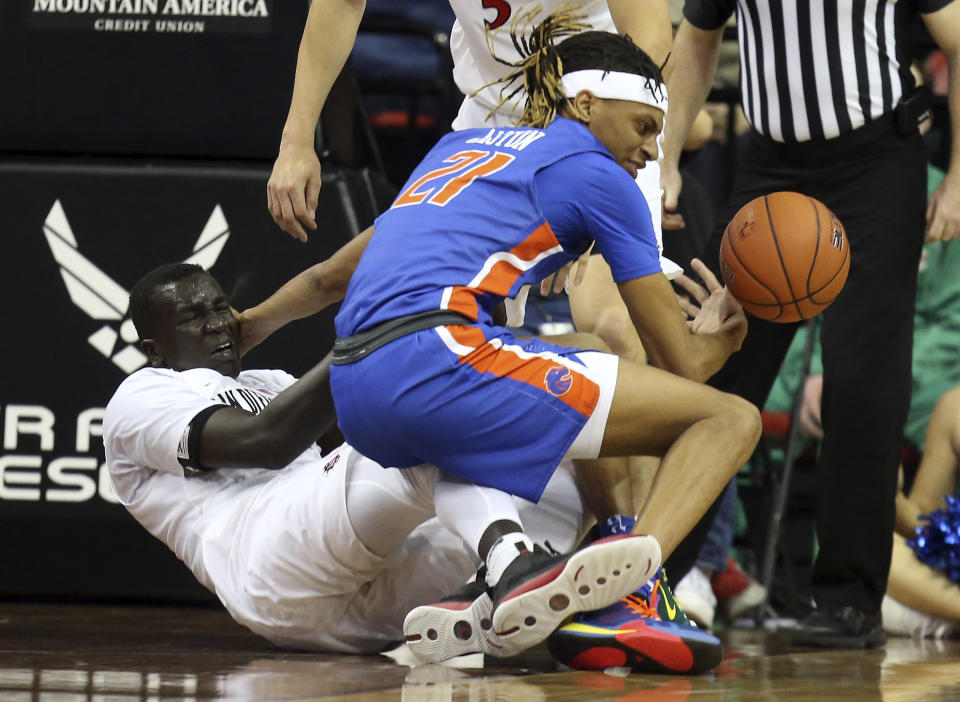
[(77, 235), (209, 78)]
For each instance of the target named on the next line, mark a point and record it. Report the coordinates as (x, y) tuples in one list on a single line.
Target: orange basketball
[(785, 257)]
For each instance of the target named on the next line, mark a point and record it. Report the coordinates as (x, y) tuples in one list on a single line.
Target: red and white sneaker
[(537, 592), (454, 626)]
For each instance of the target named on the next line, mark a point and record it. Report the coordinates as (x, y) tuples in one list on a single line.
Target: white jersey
[(474, 67), (277, 546)]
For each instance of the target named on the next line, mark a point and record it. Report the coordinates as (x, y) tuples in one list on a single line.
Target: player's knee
[(742, 419), (613, 325), (592, 341)]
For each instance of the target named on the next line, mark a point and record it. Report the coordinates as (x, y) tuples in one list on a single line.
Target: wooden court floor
[(97, 653)]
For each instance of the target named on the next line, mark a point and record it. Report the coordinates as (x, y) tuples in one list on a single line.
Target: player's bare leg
[(703, 435), (597, 308)]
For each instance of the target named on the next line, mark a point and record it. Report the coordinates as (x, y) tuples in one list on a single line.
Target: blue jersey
[(490, 210)]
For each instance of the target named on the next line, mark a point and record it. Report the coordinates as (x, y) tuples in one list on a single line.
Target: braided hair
[(543, 61)]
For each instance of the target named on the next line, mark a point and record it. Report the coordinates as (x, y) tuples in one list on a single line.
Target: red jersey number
[(503, 12)]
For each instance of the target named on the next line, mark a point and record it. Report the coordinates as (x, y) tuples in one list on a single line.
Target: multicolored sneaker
[(662, 600), (631, 633), (454, 626), (537, 591)]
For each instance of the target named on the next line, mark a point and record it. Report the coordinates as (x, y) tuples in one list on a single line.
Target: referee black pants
[(874, 180)]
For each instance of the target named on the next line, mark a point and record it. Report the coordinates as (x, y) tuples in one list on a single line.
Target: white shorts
[(301, 578)]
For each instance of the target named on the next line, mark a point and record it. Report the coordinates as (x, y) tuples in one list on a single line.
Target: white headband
[(614, 85)]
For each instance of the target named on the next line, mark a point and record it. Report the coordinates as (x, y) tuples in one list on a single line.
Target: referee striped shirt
[(816, 69)]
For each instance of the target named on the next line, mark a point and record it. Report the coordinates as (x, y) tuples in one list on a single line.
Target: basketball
[(785, 257)]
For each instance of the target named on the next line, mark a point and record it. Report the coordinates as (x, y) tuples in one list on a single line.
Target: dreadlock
[(544, 61)]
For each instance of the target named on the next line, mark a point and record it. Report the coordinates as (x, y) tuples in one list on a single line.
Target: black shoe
[(840, 627)]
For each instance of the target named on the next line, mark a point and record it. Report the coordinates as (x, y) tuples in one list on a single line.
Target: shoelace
[(639, 605)]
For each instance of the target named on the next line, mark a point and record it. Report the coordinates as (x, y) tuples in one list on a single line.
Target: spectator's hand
[(294, 188), (809, 418), (943, 210), (716, 309), (558, 281), (672, 183)]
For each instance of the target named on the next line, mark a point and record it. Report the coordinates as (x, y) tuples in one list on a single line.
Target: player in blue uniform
[(422, 373)]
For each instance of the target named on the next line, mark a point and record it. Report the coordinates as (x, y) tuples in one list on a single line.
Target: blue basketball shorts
[(478, 403)]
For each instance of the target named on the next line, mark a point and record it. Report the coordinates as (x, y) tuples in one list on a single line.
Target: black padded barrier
[(77, 234), (208, 78)]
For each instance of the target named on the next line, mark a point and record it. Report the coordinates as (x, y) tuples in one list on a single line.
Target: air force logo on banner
[(102, 299)]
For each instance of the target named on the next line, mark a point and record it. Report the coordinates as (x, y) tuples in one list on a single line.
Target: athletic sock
[(617, 524), (504, 552), (468, 509)]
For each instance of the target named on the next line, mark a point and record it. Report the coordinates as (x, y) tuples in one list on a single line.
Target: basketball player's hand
[(943, 210), (710, 308), (559, 280), (252, 331), (294, 188), (672, 183)]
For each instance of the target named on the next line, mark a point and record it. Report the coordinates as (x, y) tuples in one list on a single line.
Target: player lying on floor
[(421, 372), (310, 551)]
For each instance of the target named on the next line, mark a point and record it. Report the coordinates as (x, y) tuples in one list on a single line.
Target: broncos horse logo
[(558, 380)]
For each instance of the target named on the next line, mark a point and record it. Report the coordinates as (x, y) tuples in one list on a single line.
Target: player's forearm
[(294, 419), (709, 352), (309, 292), (694, 57), (648, 24), (328, 38)]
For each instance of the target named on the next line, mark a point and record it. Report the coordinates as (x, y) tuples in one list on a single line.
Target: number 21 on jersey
[(441, 185)]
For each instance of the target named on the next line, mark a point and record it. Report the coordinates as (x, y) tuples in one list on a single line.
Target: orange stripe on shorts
[(546, 374)]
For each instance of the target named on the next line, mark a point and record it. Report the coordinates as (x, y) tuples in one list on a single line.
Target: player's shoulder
[(149, 387), (145, 380), (269, 379)]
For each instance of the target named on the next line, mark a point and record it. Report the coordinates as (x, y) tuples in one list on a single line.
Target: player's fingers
[(706, 275), (560, 279), (545, 285), (729, 305), (698, 292), (672, 221), (689, 309), (313, 199), (289, 221), (273, 204), (582, 264)]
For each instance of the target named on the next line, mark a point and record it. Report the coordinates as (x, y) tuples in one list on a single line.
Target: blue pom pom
[(938, 542)]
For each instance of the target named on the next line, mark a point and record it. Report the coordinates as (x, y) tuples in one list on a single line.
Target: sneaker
[(630, 633), (839, 627), (537, 592), (695, 595), (454, 626), (900, 620), (736, 592), (662, 600)]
